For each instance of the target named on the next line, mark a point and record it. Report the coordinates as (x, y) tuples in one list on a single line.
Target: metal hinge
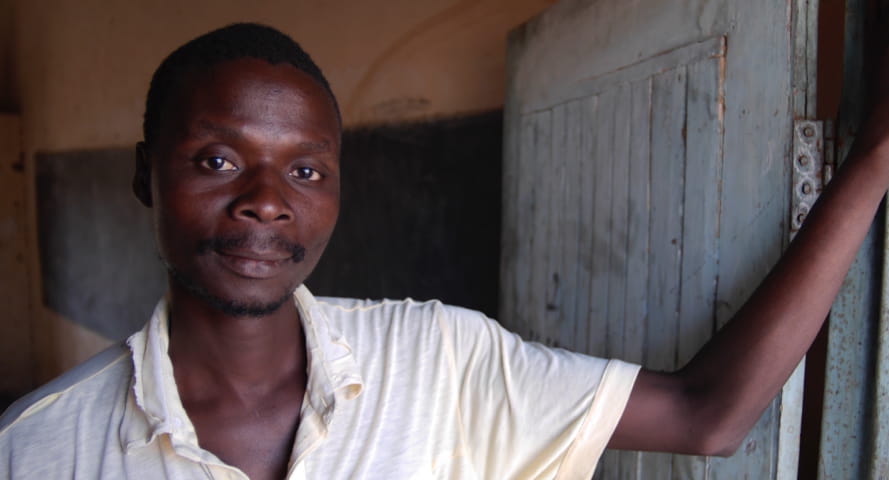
[(813, 162)]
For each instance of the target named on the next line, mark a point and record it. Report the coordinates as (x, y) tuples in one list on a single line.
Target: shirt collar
[(333, 375), (155, 407)]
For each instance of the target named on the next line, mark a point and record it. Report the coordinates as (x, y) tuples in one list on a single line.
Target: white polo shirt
[(397, 390)]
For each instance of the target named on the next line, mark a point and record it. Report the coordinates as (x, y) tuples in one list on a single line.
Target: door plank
[(636, 310), (570, 148), (618, 229), (587, 175), (700, 257), (516, 310), (667, 171), (539, 214), (600, 247), (618, 226)]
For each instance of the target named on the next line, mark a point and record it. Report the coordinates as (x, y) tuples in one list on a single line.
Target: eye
[(217, 163), (306, 173)]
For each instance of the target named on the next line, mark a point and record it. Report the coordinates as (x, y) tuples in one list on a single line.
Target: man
[(241, 371)]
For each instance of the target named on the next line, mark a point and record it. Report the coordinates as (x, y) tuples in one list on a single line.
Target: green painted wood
[(559, 227), (679, 180), (617, 229), (700, 255), (619, 224), (638, 238), (542, 178), (602, 280), (570, 148), (516, 315), (510, 238), (665, 244), (587, 175)]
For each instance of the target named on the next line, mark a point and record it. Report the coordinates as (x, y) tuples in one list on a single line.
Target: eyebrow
[(206, 129)]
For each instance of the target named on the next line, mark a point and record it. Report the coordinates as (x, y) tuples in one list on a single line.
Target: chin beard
[(231, 308)]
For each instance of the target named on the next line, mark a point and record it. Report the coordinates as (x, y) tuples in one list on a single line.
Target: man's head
[(241, 166), (240, 40)]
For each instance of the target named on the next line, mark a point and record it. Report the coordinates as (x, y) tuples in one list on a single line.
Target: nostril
[(266, 212), (262, 200), (248, 213)]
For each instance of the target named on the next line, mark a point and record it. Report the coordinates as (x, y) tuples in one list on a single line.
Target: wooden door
[(647, 188)]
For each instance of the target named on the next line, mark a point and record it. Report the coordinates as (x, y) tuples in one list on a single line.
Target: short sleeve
[(528, 410)]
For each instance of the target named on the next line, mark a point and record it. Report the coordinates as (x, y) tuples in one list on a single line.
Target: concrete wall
[(77, 71)]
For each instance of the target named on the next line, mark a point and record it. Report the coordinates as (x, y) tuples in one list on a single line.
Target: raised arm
[(709, 405)]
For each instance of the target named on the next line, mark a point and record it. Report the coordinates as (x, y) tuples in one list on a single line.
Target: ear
[(142, 177)]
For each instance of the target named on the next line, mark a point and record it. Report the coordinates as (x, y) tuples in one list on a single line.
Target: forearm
[(738, 373), (708, 406)]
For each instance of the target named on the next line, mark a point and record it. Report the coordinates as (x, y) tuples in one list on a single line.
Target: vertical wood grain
[(667, 183), (639, 203), (540, 178), (524, 215), (509, 238), (587, 174), (700, 254), (600, 247), (570, 148), (554, 174), (681, 183), (618, 232), (618, 225)]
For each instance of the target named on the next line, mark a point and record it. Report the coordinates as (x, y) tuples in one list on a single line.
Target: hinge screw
[(807, 188), (809, 131), (803, 160)]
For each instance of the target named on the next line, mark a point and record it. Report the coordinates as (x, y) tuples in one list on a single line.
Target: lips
[(253, 264), (252, 255)]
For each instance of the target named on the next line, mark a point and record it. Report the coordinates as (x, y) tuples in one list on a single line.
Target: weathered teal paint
[(647, 187)]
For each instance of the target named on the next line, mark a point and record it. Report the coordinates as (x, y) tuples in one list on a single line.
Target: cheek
[(176, 208), (179, 220), (320, 219)]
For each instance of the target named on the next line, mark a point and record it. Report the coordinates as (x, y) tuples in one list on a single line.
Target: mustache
[(252, 242)]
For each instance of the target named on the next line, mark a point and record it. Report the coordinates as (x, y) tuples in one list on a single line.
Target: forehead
[(251, 90)]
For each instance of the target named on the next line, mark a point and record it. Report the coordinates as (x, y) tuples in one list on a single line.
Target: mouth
[(253, 256), (250, 264)]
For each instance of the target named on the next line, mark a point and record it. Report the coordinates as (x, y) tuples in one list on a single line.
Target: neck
[(242, 357)]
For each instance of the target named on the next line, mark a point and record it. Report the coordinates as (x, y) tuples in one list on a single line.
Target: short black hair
[(239, 40)]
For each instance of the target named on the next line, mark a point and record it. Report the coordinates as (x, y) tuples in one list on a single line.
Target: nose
[(263, 199)]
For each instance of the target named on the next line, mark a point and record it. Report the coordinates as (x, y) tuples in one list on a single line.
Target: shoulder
[(382, 308), (394, 309), (406, 314), (422, 329), (75, 390)]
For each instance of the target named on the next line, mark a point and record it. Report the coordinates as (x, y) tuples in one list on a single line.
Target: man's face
[(245, 183)]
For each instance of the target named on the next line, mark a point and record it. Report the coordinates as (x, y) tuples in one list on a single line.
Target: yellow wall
[(85, 65), (81, 69)]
